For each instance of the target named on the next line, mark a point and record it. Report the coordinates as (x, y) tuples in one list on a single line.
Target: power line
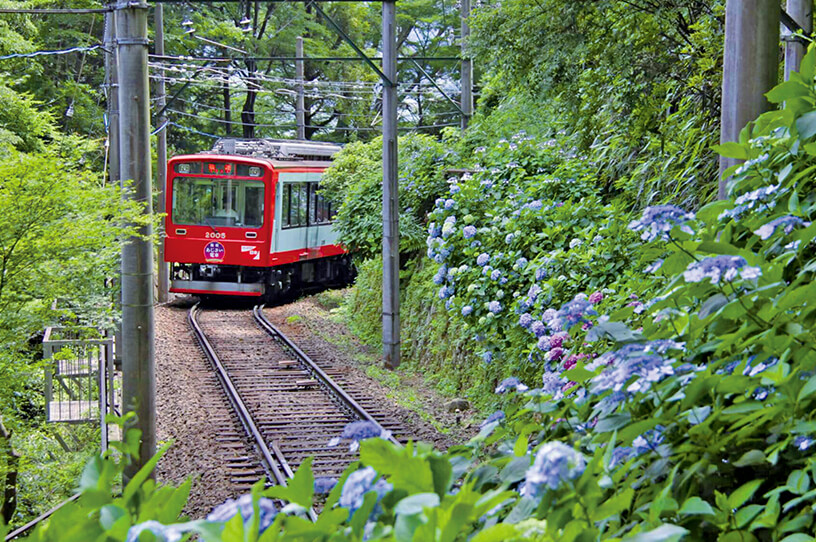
[(50, 53)]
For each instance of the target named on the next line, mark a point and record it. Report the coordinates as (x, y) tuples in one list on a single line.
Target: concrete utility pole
[(161, 155), (227, 110), (750, 68), (800, 11), (391, 321), (467, 67), (138, 379), (300, 107)]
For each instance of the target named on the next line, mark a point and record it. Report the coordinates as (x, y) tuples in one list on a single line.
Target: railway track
[(288, 404)]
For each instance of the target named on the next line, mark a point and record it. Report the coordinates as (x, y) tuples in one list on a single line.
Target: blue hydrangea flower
[(433, 230), (494, 307), (454, 189), (717, 267), (632, 361), (750, 200), (788, 223), (543, 343), (449, 204), (482, 259), (659, 220), (621, 455), (521, 262), (509, 384), (466, 310), (357, 485), (447, 226), (802, 442), (487, 357), (541, 273), (445, 292), (525, 320), (162, 533), (439, 202), (243, 506), (539, 329), (762, 393), (553, 384), (535, 205), (654, 266), (573, 313), (440, 276), (575, 243), (495, 417), (509, 238), (495, 274), (324, 484), (360, 430), (649, 441), (468, 232), (549, 315), (554, 464)]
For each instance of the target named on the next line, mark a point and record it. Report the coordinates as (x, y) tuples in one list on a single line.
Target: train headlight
[(184, 168), (254, 171)]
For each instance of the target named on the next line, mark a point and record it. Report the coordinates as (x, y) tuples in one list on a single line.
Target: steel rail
[(39, 519), (271, 457), (326, 381)]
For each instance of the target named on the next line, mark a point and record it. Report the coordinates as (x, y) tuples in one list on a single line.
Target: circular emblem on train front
[(214, 252)]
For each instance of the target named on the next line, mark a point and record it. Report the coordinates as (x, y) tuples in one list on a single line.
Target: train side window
[(287, 205), (313, 204), (303, 208)]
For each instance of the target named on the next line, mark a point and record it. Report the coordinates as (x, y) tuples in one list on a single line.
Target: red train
[(248, 219)]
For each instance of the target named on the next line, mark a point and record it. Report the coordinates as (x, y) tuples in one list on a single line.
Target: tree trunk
[(8, 479), (248, 111)]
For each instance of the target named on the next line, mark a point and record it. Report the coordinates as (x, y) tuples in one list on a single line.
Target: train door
[(293, 195)]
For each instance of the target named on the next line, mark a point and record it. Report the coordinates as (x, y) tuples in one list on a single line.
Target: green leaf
[(496, 533), (798, 482), (712, 305), (806, 125), (515, 470), (442, 472), (140, 477), (743, 493), (663, 533), (751, 457), (798, 537), (731, 149), (786, 91), (808, 389), (299, 489), (415, 504), (695, 506), (520, 447), (615, 421), (793, 202)]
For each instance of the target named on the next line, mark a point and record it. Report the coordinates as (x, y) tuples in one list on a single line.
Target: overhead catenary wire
[(33, 54)]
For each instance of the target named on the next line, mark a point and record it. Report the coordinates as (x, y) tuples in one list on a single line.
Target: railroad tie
[(310, 383), (288, 364)]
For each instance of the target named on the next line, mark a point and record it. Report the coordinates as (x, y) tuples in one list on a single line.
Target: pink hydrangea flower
[(596, 298)]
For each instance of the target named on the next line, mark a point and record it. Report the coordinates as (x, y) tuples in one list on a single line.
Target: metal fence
[(79, 378)]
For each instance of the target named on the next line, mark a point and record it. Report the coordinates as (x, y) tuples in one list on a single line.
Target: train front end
[(217, 229)]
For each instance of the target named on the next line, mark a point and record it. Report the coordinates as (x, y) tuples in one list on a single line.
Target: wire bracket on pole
[(133, 41), (353, 45), (798, 33)]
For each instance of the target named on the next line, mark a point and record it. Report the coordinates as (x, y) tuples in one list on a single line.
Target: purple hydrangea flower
[(596, 297), (659, 220), (495, 417), (511, 383), (549, 315), (469, 231), (466, 310), (243, 506), (360, 430), (555, 354), (554, 464), (324, 484), (788, 223), (494, 307), (525, 320), (557, 340), (553, 384), (543, 343), (482, 259), (573, 312), (717, 267)]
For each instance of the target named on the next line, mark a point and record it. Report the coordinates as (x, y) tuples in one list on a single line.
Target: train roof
[(277, 149), (276, 164)]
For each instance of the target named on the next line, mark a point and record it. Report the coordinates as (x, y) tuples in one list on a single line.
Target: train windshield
[(218, 202)]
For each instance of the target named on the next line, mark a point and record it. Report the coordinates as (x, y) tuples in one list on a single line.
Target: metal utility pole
[(391, 321), (138, 375), (800, 11), (749, 68), (161, 156), (467, 67), (227, 110), (300, 106)]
